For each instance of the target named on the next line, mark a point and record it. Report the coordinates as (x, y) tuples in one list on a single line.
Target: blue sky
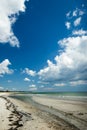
[(43, 45)]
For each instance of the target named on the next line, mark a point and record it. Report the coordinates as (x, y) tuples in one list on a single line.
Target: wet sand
[(19, 115), (72, 111)]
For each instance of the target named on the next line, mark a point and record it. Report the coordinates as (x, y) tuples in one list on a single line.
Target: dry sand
[(4, 114), (18, 115)]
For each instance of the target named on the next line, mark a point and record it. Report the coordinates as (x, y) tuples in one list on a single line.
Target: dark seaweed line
[(19, 115)]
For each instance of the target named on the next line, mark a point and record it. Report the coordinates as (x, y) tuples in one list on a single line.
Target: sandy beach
[(16, 115), (73, 111), (48, 114)]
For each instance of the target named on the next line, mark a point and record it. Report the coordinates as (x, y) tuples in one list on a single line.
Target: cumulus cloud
[(4, 69), (9, 10), (29, 72), (71, 64), (79, 32), (68, 24), (32, 87), (27, 79), (77, 21)]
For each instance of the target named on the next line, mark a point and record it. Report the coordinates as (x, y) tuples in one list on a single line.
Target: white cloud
[(71, 64), (42, 86), (77, 21), (68, 24), (59, 84), (81, 12), (68, 14), (82, 5), (80, 82), (9, 81), (1, 88), (4, 67), (32, 87), (79, 32), (29, 72), (75, 12), (9, 10), (27, 79), (41, 82)]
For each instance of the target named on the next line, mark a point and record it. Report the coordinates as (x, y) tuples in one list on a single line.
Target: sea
[(74, 96)]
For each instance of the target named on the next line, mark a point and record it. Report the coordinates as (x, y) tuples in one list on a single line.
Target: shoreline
[(72, 111), (25, 115)]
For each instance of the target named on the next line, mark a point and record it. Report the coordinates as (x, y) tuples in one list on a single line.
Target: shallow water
[(60, 96), (75, 96)]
